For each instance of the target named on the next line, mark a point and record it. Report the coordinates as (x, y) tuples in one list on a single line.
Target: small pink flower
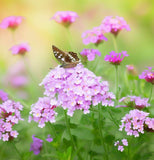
[(115, 25), (131, 69), (90, 53), (121, 144), (20, 48), (11, 22), (116, 58), (49, 139), (3, 96), (65, 17), (148, 75)]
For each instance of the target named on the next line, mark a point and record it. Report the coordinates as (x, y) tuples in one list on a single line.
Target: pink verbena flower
[(36, 145), (77, 88), (9, 116), (96, 35), (134, 122), (11, 22), (150, 124), (3, 96), (49, 139), (135, 102), (90, 53), (115, 58), (65, 17), (43, 111), (121, 144), (115, 25), (148, 75), (20, 48)]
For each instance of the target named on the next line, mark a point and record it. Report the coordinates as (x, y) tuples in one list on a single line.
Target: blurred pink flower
[(121, 144), (3, 96), (65, 17), (90, 53), (49, 139), (114, 25), (148, 75), (96, 35), (116, 58), (131, 69), (11, 22), (20, 48)]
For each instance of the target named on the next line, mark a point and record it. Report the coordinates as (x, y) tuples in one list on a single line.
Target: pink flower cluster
[(65, 17), (43, 111), (135, 102), (116, 58), (77, 88), (134, 122), (20, 49), (3, 96), (96, 35), (9, 116), (114, 25), (11, 22), (148, 75), (121, 145), (90, 53)]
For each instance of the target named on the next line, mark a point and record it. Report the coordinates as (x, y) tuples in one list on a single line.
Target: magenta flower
[(135, 122), (96, 35), (49, 139), (121, 144), (148, 75), (77, 88), (3, 96), (65, 17), (11, 22), (9, 116), (90, 53), (115, 25), (36, 146), (20, 48), (135, 102), (43, 111), (115, 58)]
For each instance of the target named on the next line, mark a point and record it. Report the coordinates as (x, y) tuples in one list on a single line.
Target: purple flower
[(77, 88), (20, 49), (150, 123), (115, 25), (135, 102), (90, 53), (96, 35), (43, 111), (11, 22), (115, 58), (49, 139), (3, 96), (9, 116), (36, 146), (134, 122), (121, 144), (65, 17), (148, 75), (125, 142)]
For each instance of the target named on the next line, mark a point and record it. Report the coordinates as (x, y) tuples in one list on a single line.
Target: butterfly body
[(67, 59)]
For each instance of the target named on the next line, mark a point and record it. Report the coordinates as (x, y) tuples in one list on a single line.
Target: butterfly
[(67, 59)]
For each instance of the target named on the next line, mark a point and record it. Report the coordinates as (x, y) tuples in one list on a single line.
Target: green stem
[(69, 37), (114, 43), (14, 146), (100, 130), (117, 84), (71, 137), (53, 129), (150, 93)]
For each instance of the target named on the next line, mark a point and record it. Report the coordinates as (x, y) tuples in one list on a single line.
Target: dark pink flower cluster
[(43, 111), (148, 75), (90, 53), (3, 96), (134, 122), (116, 58), (96, 35), (9, 116), (121, 145), (77, 88), (11, 22), (114, 25), (65, 17), (135, 102), (20, 49)]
